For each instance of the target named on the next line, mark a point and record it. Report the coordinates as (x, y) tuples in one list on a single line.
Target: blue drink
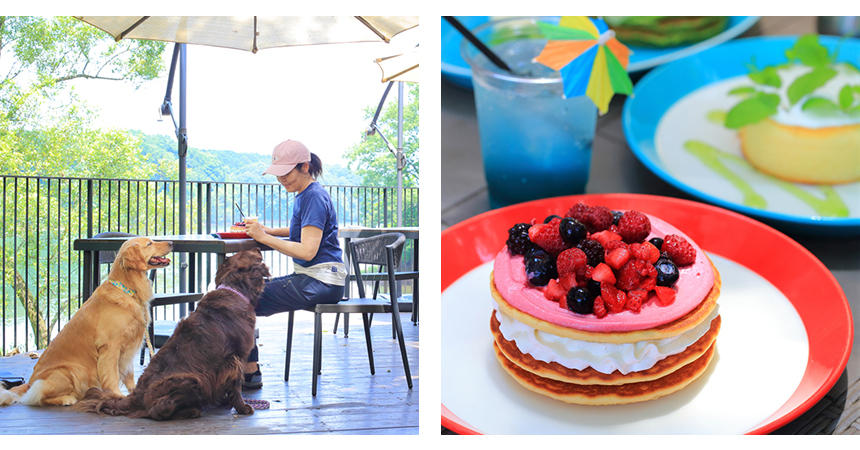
[(535, 143)]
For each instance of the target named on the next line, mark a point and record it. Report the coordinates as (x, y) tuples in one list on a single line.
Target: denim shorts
[(294, 292)]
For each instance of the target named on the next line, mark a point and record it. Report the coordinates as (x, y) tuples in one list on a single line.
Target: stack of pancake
[(620, 358), (665, 31)]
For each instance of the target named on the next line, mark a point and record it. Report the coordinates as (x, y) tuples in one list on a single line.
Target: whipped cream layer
[(602, 357), (795, 116), (694, 283)]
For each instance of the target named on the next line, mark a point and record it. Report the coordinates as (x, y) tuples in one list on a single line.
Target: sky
[(249, 102)]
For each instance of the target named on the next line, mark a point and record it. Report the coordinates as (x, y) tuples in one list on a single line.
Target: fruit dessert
[(665, 31), (238, 227), (603, 307), (800, 121)]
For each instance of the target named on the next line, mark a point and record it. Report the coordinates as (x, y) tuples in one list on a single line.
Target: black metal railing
[(41, 282)]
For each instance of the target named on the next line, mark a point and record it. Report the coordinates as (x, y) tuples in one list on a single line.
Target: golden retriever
[(97, 347)]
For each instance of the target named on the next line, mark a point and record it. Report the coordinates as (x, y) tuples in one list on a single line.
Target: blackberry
[(518, 239), (658, 242), (572, 231), (593, 251), (540, 267), (549, 218), (616, 216), (667, 272), (580, 301)]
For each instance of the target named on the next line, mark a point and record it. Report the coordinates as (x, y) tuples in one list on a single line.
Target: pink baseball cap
[(286, 156)]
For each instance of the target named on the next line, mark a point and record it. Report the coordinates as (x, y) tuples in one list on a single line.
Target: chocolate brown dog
[(201, 364)]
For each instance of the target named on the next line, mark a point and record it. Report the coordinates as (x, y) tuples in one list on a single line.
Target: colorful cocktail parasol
[(591, 61)]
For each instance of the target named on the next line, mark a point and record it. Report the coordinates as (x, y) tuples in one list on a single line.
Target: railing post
[(385, 207), (90, 208)]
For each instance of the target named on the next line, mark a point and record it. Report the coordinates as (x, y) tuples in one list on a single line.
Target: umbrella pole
[(182, 150), (400, 159)]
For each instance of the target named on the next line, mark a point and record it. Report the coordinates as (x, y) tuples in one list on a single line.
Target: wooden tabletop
[(192, 243), (614, 168), (359, 232)]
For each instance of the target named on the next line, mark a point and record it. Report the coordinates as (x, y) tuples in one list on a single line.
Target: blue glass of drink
[(535, 143)]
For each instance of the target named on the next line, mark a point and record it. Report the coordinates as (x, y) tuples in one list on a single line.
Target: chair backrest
[(384, 249)]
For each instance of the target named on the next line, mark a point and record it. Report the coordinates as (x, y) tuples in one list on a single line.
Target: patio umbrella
[(251, 33)]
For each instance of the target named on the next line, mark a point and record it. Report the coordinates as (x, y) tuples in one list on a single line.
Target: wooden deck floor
[(349, 400)]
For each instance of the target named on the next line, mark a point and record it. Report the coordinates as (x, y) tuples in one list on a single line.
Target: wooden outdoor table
[(349, 233), (615, 169), (186, 243)]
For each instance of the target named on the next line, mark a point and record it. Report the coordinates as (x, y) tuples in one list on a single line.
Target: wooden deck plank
[(349, 399)]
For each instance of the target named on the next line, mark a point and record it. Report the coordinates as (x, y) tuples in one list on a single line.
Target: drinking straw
[(240, 211), (477, 43)]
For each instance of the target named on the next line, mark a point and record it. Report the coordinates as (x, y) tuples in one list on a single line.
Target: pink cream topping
[(694, 283)]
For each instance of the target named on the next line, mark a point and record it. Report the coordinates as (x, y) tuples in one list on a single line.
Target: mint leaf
[(743, 90), (807, 83), (752, 110), (767, 76), (820, 106), (808, 51), (846, 97)]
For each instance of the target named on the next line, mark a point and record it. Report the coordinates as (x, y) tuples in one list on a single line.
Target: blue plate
[(658, 90), (456, 70)]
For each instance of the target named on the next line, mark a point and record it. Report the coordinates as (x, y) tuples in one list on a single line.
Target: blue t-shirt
[(314, 208)]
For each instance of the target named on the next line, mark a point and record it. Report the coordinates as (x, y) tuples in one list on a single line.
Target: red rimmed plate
[(232, 235), (800, 299)]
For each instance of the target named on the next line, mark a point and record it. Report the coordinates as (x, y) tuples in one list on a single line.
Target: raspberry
[(618, 257), (613, 298), (635, 299), (593, 250), (567, 281), (665, 295), (605, 237), (612, 245), (648, 283), (595, 218), (599, 308), (571, 260), (554, 291), (603, 274), (634, 226), (578, 211), (679, 250), (628, 276), (547, 237)]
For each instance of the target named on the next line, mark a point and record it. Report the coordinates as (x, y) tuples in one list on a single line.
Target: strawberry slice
[(603, 274), (665, 295), (547, 237), (613, 298), (605, 236), (617, 258), (553, 291), (567, 281)]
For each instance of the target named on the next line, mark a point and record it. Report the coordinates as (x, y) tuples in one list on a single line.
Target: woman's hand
[(255, 230)]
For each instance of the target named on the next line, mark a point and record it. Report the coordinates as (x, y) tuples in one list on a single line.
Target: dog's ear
[(132, 258)]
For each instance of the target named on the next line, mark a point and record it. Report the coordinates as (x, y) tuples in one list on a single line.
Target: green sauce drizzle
[(830, 206)]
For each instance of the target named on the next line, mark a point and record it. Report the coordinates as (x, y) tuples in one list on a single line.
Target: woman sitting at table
[(320, 274)]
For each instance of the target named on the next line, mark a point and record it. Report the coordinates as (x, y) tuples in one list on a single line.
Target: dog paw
[(245, 409)]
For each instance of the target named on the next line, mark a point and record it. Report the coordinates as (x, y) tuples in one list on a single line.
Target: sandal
[(253, 380), (10, 382)]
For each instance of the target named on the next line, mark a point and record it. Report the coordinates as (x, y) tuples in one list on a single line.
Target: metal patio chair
[(384, 249)]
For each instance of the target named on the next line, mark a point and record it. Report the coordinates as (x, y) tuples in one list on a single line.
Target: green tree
[(372, 160), (47, 131)]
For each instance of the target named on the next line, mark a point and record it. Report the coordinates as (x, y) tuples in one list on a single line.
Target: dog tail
[(11, 396), (101, 402)]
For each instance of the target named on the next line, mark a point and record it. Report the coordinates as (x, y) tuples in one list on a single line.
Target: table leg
[(415, 285), (88, 276), (192, 279)]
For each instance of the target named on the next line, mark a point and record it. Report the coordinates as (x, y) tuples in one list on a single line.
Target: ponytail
[(315, 166)]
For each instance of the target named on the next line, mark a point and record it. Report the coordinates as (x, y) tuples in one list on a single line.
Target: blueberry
[(549, 218), (540, 267), (616, 216), (593, 251), (580, 301), (658, 242), (572, 231), (667, 273), (593, 288)]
